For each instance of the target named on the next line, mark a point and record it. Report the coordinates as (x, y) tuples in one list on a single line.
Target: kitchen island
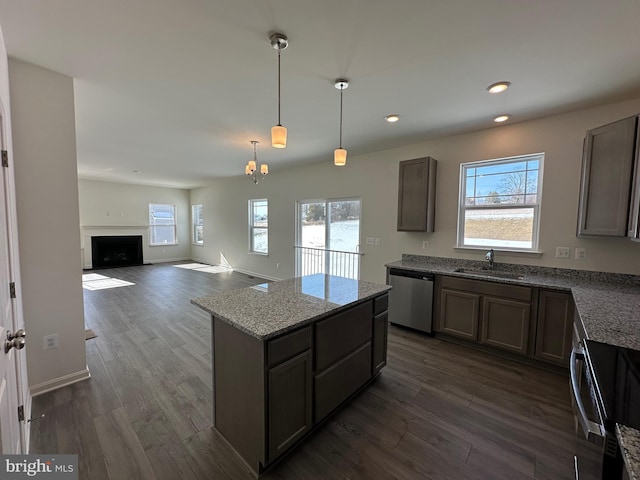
[(288, 354)]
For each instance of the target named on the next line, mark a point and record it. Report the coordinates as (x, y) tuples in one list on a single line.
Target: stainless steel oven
[(597, 453)]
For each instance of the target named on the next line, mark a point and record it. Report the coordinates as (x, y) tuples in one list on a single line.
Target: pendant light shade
[(340, 154), (279, 41), (278, 136), (340, 157)]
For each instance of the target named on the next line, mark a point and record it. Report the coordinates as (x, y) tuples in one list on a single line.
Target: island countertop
[(270, 309)]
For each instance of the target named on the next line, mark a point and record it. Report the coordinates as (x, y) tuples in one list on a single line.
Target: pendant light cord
[(341, 89), (279, 50)]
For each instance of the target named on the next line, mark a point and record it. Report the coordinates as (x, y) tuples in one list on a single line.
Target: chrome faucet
[(489, 258)]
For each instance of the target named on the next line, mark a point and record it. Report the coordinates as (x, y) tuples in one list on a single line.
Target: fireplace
[(116, 251)]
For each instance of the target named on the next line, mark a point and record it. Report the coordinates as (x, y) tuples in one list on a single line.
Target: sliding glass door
[(328, 237)]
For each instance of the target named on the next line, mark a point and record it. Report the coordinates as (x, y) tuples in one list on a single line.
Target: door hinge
[(12, 289), (5, 158), (21, 413)]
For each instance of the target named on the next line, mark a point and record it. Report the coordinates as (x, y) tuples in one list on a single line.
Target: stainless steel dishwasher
[(411, 299)]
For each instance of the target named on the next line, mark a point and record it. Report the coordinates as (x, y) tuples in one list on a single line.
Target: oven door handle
[(593, 432)]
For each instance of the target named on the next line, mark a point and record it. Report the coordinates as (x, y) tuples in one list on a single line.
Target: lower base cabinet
[(290, 403), (527, 321), (505, 324), (555, 323), (494, 314)]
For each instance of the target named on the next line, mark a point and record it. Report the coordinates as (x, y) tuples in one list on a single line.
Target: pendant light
[(251, 168), (278, 132), (340, 154)]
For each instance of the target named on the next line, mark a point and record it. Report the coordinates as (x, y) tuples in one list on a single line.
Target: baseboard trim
[(259, 275), (60, 382)]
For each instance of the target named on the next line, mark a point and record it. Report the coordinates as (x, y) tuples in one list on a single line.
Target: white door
[(12, 438)]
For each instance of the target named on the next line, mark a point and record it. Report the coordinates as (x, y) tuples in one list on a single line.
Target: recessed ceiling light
[(392, 118), (502, 118), (136, 171), (498, 87)]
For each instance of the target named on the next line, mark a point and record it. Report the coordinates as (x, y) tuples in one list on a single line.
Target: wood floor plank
[(123, 453)]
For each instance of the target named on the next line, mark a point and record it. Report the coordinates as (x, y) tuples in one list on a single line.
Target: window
[(197, 225), (499, 203), (162, 224), (259, 226)]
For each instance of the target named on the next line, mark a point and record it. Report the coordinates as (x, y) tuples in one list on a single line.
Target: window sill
[(259, 253), (163, 244), (198, 244), (507, 253)]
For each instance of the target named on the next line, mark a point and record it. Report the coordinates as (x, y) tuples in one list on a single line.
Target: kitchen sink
[(489, 273)]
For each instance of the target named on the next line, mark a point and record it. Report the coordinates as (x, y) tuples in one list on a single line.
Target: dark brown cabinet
[(494, 314), (459, 313), (554, 329), (289, 403), (537, 323), (607, 169), (417, 195), (505, 324)]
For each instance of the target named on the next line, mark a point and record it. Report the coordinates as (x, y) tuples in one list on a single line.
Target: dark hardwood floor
[(437, 411)]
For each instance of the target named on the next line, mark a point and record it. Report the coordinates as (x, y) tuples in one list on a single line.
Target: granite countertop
[(608, 305), (270, 309)]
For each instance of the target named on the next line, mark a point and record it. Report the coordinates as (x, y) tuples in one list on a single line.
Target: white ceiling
[(177, 89)]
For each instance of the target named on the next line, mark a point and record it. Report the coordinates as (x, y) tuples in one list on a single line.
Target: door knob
[(17, 343), (15, 340), (19, 334)]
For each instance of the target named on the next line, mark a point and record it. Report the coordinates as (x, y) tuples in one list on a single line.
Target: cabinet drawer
[(380, 304), (336, 384), (339, 335), (488, 288), (288, 345)]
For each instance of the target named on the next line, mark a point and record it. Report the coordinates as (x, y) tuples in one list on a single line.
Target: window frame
[(174, 225), (253, 227), (194, 226), (535, 207)]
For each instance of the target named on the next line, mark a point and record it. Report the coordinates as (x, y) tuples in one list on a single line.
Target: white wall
[(374, 178), (44, 144), (119, 209)]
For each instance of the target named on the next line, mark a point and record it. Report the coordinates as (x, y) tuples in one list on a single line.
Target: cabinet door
[(505, 324), (289, 403), (380, 325), (606, 179), (417, 195), (459, 313), (553, 337)]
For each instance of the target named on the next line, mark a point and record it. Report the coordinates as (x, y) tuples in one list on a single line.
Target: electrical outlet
[(50, 341), (425, 245), (563, 252), (371, 241), (581, 254)]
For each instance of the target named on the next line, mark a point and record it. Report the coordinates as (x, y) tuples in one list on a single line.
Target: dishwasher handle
[(398, 272)]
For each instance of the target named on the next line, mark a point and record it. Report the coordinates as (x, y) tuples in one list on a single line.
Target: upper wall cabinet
[(607, 169), (417, 195)]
